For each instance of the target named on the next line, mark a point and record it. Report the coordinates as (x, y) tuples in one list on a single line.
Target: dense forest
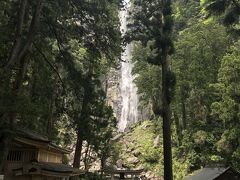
[(55, 57)]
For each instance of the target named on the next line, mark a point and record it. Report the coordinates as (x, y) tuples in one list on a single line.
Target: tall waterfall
[(128, 90)]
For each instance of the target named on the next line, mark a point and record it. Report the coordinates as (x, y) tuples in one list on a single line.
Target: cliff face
[(113, 91)]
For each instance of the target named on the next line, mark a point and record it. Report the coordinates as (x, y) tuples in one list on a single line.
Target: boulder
[(156, 142), (117, 137), (133, 160), (129, 150), (120, 163), (145, 126), (136, 153)]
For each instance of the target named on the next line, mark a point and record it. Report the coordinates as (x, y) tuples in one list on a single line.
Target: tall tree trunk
[(20, 49), (167, 149), (17, 89), (52, 108), (34, 81), (78, 151), (18, 35), (5, 135), (5, 140), (81, 125), (86, 158)]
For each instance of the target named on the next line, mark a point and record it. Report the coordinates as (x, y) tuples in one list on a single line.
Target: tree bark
[(20, 50), (77, 155), (52, 108), (82, 124), (86, 158), (18, 41), (17, 88), (5, 140), (167, 148), (78, 151), (32, 29)]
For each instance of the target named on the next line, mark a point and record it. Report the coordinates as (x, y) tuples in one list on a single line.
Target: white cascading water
[(128, 90)]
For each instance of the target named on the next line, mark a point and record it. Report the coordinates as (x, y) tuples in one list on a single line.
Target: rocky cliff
[(113, 91)]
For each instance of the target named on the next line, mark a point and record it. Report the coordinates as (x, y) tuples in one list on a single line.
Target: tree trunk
[(52, 108), (20, 49), (78, 151), (32, 30), (81, 125), (34, 81), (86, 158), (5, 138), (18, 41), (17, 88), (166, 120)]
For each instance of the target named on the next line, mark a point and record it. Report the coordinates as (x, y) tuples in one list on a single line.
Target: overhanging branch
[(236, 3), (49, 63)]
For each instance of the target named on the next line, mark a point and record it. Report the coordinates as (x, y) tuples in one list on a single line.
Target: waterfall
[(128, 90)]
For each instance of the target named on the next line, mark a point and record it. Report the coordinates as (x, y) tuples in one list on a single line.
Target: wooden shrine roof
[(47, 169), (33, 139)]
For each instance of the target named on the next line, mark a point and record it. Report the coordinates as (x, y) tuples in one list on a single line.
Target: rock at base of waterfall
[(136, 153), (150, 176), (117, 137), (156, 142), (133, 160), (119, 163), (113, 92), (145, 126)]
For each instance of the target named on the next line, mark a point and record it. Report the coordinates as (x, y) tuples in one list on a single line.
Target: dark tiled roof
[(31, 135), (56, 167), (51, 169), (209, 173), (27, 134)]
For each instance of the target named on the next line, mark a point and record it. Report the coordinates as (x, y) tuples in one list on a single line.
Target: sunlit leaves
[(227, 109)]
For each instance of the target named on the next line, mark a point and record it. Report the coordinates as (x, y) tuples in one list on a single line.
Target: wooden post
[(112, 176), (121, 175)]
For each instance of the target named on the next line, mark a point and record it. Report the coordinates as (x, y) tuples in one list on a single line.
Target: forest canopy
[(55, 60)]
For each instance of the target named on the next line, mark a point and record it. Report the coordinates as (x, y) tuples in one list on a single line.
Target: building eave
[(47, 169)]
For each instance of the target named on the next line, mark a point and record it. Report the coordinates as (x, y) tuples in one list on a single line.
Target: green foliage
[(56, 88), (230, 9), (151, 157), (155, 26), (147, 76), (199, 50), (226, 108), (205, 109), (186, 13)]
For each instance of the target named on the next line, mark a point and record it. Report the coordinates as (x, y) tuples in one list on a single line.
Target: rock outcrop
[(113, 91)]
